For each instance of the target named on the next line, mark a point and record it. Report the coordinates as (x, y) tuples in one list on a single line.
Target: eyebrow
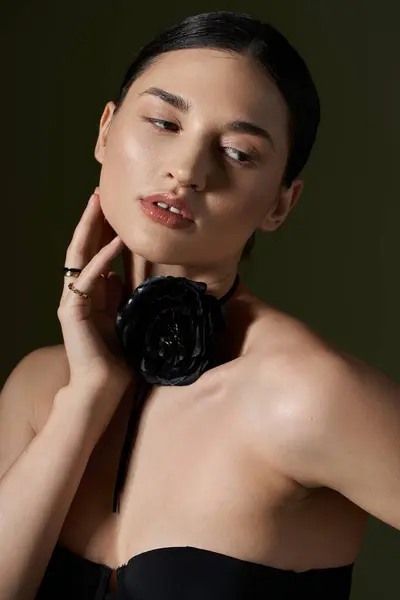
[(183, 105), (252, 129), (174, 100)]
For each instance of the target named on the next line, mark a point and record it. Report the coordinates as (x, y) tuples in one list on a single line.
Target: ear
[(105, 123), (285, 201)]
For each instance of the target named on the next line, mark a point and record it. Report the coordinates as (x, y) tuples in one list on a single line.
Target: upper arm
[(344, 433), (26, 399)]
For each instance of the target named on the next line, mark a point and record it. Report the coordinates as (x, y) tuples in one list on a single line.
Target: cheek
[(127, 156), (128, 164), (253, 196)]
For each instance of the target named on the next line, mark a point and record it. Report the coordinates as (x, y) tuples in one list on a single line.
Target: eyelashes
[(156, 123), (244, 158)]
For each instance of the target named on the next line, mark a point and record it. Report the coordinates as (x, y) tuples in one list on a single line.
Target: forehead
[(217, 80)]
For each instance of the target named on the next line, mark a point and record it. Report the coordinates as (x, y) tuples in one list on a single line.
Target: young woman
[(188, 441)]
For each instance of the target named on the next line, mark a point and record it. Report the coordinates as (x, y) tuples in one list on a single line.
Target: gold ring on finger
[(76, 291), (76, 272), (68, 272)]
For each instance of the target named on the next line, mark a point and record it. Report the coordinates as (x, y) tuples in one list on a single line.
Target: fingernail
[(97, 190)]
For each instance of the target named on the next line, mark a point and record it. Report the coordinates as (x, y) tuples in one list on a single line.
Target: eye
[(241, 157), (162, 124)]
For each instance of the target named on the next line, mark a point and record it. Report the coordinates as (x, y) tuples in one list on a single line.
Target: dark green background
[(334, 263)]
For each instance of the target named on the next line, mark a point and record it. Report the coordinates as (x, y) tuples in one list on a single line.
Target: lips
[(178, 202)]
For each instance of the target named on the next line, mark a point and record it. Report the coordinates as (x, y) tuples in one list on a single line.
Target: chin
[(159, 253)]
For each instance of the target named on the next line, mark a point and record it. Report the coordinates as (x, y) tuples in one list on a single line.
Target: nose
[(190, 167)]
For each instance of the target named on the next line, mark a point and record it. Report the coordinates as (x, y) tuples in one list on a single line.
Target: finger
[(85, 240), (89, 277)]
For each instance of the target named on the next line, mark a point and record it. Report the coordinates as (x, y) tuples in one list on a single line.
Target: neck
[(219, 278)]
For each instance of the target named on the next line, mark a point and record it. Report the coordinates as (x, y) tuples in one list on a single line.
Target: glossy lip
[(165, 217), (179, 202)]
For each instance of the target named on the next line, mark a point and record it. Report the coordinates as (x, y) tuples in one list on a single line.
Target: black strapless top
[(184, 572), (188, 573)]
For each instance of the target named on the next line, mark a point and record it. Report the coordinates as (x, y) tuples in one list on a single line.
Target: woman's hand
[(88, 324)]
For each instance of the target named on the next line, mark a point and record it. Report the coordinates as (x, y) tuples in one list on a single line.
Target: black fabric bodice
[(188, 573)]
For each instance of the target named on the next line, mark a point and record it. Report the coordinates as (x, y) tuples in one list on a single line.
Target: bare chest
[(192, 470), (195, 478)]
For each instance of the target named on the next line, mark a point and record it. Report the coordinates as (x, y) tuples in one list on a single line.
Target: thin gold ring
[(76, 291)]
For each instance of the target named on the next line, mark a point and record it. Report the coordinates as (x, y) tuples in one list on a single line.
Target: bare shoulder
[(286, 363), (26, 400), (320, 372), (304, 357), (42, 373), (311, 377), (335, 419), (278, 337)]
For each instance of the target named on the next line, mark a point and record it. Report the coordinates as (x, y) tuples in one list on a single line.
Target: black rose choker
[(168, 329)]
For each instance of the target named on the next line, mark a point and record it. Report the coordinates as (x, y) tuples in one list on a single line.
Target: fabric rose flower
[(168, 329)]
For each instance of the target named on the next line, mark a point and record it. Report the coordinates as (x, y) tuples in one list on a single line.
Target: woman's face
[(230, 176)]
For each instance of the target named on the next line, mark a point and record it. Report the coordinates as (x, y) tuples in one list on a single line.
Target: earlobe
[(99, 151), (105, 123)]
